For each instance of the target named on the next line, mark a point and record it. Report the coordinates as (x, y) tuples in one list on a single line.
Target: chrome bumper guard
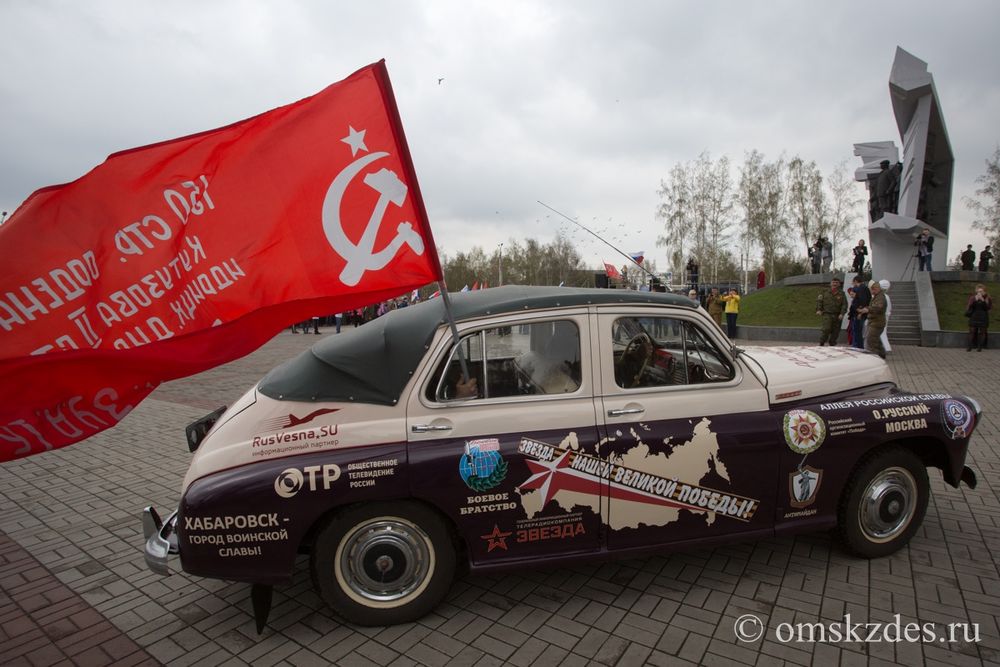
[(161, 540)]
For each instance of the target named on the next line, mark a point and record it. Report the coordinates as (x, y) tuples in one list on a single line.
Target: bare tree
[(675, 211), (806, 202), (763, 203), (696, 209), (842, 217), (525, 262), (714, 197), (988, 211)]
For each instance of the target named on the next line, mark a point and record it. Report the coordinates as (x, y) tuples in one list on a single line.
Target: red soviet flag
[(611, 271), (173, 258)]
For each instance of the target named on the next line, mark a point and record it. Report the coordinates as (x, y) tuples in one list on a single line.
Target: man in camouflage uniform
[(876, 319), (715, 306), (831, 306)]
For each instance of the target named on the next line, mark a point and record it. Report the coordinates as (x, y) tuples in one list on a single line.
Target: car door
[(499, 463), (687, 439)]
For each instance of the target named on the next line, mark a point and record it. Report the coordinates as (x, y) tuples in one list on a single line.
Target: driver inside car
[(631, 367)]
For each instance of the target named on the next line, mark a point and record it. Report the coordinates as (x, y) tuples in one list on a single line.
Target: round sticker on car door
[(481, 466), (804, 431)]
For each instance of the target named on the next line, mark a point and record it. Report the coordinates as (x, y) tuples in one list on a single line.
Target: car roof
[(374, 362)]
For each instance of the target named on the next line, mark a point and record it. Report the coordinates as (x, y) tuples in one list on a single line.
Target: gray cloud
[(584, 105)]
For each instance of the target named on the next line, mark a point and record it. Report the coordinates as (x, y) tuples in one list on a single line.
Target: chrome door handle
[(626, 411), (425, 428)]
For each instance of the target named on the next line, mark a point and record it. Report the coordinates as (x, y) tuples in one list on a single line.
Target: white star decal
[(356, 140)]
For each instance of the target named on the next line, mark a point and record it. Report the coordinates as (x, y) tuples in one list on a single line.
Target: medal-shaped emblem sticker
[(957, 418), (804, 431)]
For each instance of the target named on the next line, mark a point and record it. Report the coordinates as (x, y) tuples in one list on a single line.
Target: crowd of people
[(820, 255), (866, 304), (969, 258), (867, 307), (353, 318)]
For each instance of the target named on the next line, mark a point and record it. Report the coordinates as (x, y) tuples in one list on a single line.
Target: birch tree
[(806, 203), (675, 212), (762, 199), (842, 210), (988, 210)]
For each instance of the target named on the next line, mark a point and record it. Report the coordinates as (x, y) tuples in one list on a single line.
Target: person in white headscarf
[(885, 285)]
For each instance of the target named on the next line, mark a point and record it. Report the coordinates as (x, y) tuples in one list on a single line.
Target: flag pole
[(454, 328), (625, 255)]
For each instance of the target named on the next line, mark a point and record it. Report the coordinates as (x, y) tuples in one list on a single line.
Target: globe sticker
[(804, 431), (481, 466)]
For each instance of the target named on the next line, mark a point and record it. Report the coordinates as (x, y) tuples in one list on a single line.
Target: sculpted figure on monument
[(887, 189), (897, 177)]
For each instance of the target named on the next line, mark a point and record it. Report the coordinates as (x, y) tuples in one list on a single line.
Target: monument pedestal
[(893, 253)]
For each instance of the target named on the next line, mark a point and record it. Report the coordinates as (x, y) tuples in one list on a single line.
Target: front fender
[(247, 523)]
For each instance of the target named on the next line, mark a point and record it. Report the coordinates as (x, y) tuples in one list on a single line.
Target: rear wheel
[(884, 503), (383, 563)]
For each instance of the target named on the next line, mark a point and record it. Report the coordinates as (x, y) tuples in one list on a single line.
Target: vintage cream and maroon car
[(605, 423)]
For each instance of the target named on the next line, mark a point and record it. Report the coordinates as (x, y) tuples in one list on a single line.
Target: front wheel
[(884, 503), (383, 563)]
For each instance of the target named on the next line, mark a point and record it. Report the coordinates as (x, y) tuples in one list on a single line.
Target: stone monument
[(909, 195)]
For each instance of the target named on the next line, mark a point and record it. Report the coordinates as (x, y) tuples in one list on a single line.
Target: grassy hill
[(951, 299), (795, 305), (787, 306)]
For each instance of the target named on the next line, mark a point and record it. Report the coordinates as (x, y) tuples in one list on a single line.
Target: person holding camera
[(732, 311), (860, 252), (925, 248), (978, 311), (984, 258), (815, 256)]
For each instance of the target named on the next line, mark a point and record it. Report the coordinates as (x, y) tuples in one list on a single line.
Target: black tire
[(383, 563), (883, 503)]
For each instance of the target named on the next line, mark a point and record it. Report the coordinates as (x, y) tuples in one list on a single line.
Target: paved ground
[(73, 586)]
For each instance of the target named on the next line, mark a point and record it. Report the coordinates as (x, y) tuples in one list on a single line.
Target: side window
[(524, 359), (663, 352)]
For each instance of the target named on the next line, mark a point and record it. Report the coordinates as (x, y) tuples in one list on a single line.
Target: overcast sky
[(582, 105)]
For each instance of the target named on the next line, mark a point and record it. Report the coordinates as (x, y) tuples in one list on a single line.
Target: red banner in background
[(174, 258)]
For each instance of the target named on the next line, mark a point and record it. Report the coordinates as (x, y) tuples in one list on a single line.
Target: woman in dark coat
[(978, 312), (860, 251)]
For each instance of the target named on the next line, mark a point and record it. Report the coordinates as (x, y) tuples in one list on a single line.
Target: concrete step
[(904, 323)]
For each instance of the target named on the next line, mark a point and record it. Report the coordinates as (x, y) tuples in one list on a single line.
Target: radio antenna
[(596, 236)]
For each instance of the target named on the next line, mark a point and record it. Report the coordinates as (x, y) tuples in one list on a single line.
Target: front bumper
[(161, 540)]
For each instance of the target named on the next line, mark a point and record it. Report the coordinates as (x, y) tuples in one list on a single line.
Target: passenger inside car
[(528, 359), (556, 369)]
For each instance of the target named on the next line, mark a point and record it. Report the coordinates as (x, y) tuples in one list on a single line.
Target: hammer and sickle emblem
[(360, 257)]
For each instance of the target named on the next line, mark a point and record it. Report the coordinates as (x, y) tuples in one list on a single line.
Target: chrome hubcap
[(888, 504), (385, 559)]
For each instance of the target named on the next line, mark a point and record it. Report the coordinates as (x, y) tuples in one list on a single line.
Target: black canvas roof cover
[(373, 363)]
